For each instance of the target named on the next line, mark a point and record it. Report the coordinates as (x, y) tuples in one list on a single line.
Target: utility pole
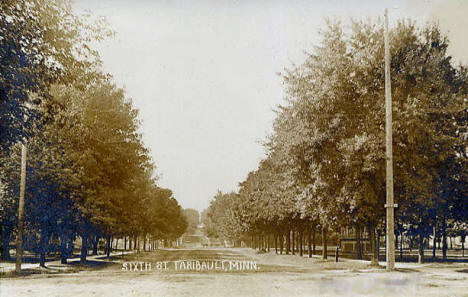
[(19, 238), (390, 244)]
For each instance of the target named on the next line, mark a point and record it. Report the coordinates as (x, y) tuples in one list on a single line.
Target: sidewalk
[(306, 262), (6, 267)]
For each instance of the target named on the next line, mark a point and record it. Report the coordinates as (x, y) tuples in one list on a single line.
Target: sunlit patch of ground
[(284, 275)]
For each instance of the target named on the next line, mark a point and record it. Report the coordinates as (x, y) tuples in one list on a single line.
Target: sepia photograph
[(235, 148)]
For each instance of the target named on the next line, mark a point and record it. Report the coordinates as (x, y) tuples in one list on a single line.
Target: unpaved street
[(276, 276)]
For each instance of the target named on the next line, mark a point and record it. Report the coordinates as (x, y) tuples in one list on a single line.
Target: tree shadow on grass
[(49, 270), (92, 265), (406, 270)]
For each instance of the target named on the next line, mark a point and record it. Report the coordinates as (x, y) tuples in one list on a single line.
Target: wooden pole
[(390, 246), (19, 239)]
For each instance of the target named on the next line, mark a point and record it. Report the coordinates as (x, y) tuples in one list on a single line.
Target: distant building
[(348, 242), (192, 241)]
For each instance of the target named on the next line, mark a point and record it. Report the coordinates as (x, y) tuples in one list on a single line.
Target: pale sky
[(204, 74)]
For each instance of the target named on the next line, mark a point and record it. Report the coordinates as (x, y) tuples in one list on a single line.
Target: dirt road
[(272, 275)]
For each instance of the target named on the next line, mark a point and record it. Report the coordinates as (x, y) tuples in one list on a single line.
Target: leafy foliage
[(89, 173), (326, 158)]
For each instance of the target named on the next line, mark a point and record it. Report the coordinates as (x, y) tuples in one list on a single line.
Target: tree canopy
[(325, 162), (88, 172)]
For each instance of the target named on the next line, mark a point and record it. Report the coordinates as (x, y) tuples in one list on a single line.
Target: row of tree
[(88, 172), (193, 219), (325, 163)]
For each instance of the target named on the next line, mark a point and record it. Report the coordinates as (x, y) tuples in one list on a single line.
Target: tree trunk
[(281, 242), (373, 243), (109, 246), (276, 243), (396, 239), (309, 243), (144, 243), (70, 246), (358, 242), (324, 243), (43, 246), (1, 241), (268, 242), (420, 248), (463, 245), (444, 239), (411, 242), (297, 238), (84, 248), (301, 250), (313, 241), (298, 241), (6, 236), (63, 249), (434, 241), (288, 242), (377, 244), (95, 241), (401, 246), (293, 242)]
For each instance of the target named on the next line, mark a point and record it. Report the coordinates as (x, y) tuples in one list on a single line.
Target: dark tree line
[(89, 174), (325, 166)]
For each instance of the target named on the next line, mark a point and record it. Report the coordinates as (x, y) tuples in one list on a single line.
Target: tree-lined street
[(324, 172), (363, 163), (88, 176), (277, 276)]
